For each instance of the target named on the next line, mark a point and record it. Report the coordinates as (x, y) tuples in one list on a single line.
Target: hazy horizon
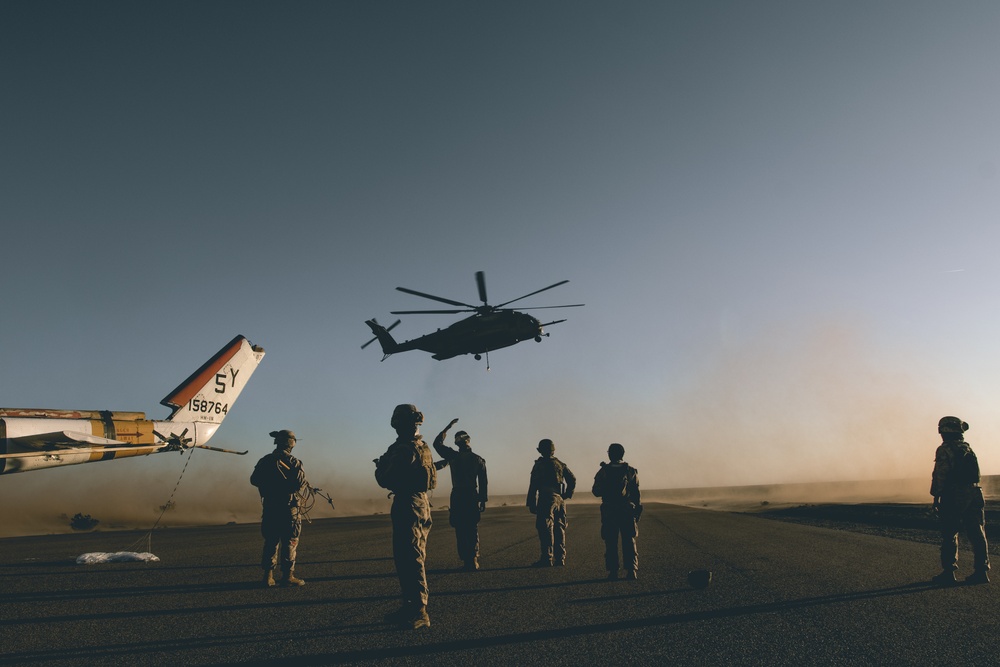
[(41, 519), (781, 217)]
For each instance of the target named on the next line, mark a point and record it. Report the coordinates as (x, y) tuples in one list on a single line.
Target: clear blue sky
[(782, 216)]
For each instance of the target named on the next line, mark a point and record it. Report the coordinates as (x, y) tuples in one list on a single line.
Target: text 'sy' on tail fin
[(206, 397), (383, 336)]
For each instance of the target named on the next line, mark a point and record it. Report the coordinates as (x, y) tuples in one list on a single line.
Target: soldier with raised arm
[(468, 493)]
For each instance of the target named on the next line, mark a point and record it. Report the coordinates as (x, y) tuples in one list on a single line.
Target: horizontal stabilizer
[(64, 440)]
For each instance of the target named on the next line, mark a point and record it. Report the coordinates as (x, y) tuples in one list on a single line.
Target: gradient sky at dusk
[(783, 218)]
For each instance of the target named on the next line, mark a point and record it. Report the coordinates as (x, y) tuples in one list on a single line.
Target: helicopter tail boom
[(385, 339)]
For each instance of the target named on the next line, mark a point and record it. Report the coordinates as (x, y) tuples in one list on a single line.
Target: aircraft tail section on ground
[(211, 390), (32, 439)]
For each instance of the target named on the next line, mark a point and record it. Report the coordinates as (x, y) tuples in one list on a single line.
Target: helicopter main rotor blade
[(561, 282), (430, 312), (435, 298), (569, 305), (481, 284)]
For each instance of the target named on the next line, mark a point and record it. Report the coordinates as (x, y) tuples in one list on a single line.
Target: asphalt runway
[(782, 594)]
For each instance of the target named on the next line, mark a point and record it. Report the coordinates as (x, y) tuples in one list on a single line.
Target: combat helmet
[(616, 452), (546, 447), (952, 425), (406, 414), (283, 438)]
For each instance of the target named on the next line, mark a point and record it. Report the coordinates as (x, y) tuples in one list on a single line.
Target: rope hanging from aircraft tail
[(163, 508), (306, 497)]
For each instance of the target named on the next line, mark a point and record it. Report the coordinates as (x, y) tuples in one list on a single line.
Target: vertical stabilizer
[(385, 339), (210, 392)]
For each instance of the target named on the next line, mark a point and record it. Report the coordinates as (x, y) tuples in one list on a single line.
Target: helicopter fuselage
[(477, 334), (490, 328)]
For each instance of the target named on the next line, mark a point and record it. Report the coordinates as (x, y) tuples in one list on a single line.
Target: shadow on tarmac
[(622, 626), (109, 651)]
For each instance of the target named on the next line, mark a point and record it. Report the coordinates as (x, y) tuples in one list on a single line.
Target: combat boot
[(632, 575), (289, 579), (542, 562), (268, 579), (946, 578), (612, 575), (471, 565), (420, 619), (978, 577)]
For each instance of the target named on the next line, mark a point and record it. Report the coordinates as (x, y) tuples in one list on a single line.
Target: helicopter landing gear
[(538, 339), (478, 357)]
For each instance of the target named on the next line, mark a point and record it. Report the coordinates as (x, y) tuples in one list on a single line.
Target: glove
[(482, 507), (937, 503), (531, 508)]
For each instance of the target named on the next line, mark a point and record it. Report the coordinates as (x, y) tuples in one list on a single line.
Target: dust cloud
[(818, 409), (789, 412), (132, 493), (813, 405)]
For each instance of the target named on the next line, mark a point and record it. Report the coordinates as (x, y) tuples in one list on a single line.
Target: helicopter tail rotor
[(376, 328)]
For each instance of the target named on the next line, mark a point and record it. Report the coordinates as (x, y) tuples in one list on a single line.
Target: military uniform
[(407, 469), (279, 477), (551, 485), (959, 499), (617, 485), (468, 495)]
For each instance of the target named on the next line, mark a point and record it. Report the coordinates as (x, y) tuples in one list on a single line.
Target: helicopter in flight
[(489, 328)]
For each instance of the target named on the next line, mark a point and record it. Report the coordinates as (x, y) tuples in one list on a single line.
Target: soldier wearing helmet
[(617, 485), (407, 470), (279, 478), (958, 498), (468, 493), (552, 483)]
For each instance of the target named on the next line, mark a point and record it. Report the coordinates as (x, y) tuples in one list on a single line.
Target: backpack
[(270, 480), (964, 467), (408, 479), (615, 486), (549, 472)]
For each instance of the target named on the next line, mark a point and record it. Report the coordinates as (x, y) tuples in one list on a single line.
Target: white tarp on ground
[(116, 557)]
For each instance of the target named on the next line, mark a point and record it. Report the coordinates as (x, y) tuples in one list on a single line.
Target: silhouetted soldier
[(279, 478), (468, 492), (617, 485), (407, 469), (959, 501), (552, 483)]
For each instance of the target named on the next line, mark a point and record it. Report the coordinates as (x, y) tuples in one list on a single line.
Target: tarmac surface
[(783, 593)]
